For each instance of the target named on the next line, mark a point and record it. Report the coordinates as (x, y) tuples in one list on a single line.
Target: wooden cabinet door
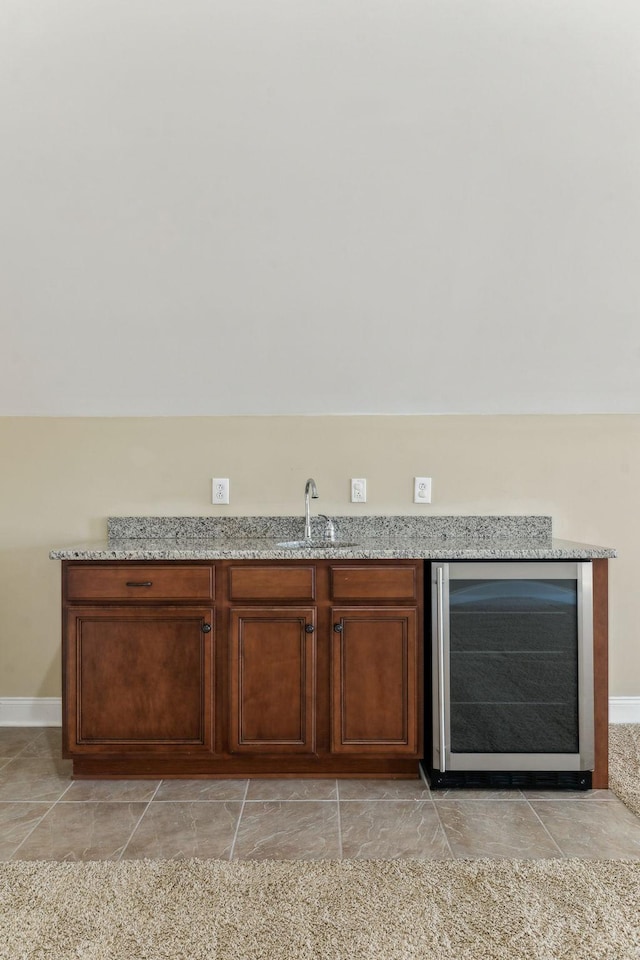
[(138, 680), (272, 680), (375, 685)]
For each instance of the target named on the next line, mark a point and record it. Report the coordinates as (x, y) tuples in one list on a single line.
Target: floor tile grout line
[(315, 800), (162, 803), (235, 835), (49, 802), (547, 831), (44, 815), (411, 800), (101, 802), (140, 818), (463, 799), (242, 800), (340, 853), (26, 747), (444, 831), (560, 799), (426, 799), (36, 824)]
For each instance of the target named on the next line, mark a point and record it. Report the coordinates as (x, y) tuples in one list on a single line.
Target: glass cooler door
[(513, 665)]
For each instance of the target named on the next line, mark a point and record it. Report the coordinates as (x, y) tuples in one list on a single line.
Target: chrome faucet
[(309, 489)]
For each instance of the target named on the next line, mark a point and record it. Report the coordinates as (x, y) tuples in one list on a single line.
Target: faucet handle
[(330, 530)]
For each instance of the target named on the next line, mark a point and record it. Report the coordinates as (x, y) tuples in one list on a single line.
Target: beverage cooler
[(511, 675)]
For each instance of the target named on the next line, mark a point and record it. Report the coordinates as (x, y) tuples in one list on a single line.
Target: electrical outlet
[(422, 489), (220, 490), (359, 491)]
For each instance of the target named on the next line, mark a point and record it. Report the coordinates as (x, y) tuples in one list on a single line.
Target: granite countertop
[(357, 538)]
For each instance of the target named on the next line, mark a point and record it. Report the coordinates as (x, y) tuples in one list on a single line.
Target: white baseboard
[(30, 712), (47, 711), (624, 709)]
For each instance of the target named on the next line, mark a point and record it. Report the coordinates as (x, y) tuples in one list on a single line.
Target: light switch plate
[(422, 489)]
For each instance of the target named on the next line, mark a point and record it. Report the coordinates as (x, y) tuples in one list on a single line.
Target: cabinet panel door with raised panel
[(138, 679), (375, 689), (273, 682)]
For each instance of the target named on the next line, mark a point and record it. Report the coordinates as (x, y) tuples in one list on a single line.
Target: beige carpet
[(624, 763), (329, 910), (378, 910)]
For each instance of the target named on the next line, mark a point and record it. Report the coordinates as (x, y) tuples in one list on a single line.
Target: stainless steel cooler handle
[(441, 654)]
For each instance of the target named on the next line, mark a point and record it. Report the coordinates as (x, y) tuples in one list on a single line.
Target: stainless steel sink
[(314, 544)]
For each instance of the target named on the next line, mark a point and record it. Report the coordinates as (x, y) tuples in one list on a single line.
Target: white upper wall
[(328, 206)]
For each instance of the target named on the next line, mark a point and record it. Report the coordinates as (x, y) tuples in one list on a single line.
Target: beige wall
[(319, 207), (331, 207), (61, 478)]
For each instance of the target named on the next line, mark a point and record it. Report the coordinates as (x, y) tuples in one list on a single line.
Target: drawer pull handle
[(139, 583), (337, 627), (206, 628), (309, 628)]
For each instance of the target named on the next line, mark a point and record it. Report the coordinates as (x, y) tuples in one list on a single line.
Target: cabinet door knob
[(337, 627), (206, 628), (309, 628)]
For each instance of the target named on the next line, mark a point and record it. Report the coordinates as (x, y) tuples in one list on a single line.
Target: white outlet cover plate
[(220, 490), (358, 490), (422, 489)]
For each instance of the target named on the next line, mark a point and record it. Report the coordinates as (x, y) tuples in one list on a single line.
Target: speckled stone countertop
[(357, 538)]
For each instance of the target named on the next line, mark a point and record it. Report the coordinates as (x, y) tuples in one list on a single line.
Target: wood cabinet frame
[(301, 588), (209, 754)]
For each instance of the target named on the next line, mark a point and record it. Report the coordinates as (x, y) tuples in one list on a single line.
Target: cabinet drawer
[(272, 582), (126, 581), (372, 582)]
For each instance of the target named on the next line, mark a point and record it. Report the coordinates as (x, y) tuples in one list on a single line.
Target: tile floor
[(46, 815)]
